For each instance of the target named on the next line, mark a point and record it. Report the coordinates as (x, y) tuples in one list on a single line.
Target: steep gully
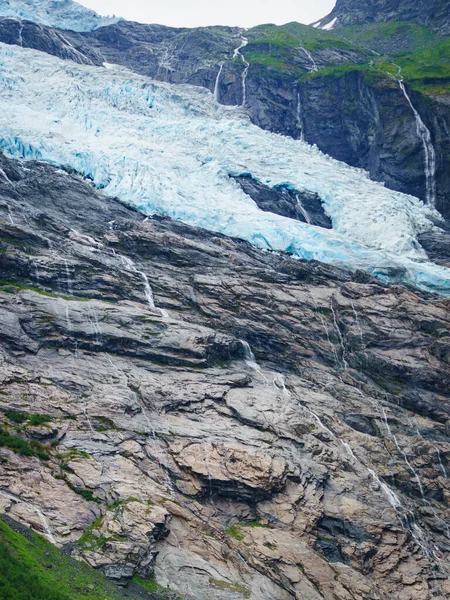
[(274, 392)]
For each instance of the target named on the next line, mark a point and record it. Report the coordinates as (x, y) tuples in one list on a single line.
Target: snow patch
[(329, 26)]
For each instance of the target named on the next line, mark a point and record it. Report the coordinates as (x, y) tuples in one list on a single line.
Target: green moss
[(255, 523), (389, 38), (235, 532), (23, 447), (219, 584), (20, 417), (151, 585), (86, 494), (12, 287), (88, 540), (33, 569)]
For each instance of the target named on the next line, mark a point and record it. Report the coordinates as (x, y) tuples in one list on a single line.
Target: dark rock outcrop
[(303, 206)]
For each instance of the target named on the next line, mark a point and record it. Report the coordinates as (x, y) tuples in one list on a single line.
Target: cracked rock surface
[(315, 469)]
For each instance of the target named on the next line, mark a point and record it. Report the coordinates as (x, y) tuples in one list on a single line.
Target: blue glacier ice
[(64, 14), (169, 150)]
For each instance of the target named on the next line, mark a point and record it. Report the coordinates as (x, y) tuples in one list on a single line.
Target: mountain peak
[(433, 13)]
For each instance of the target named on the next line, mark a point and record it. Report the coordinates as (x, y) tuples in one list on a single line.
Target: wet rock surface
[(302, 206), (318, 469)]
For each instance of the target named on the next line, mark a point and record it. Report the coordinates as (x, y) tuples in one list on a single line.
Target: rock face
[(318, 469), (434, 13), (322, 95)]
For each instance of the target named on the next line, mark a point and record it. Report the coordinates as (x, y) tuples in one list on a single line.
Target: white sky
[(193, 13)]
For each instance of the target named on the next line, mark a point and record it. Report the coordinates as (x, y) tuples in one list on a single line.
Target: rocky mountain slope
[(190, 415), (328, 87), (149, 440), (430, 13)]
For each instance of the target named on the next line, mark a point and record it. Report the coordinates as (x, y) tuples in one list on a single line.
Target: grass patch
[(20, 417), (11, 287), (151, 585), (235, 532), (32, 569), (23, 447), (219, 584)]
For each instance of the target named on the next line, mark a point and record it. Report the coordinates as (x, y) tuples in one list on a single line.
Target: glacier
[(64, 14), (169, 150)]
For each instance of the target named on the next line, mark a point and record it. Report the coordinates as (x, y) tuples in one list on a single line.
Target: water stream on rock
[(424, 135), (250, 360), (303, 210), (131, 267), (217, 85), (314, 67), (300, 123), (237, 53), (340, 336), (45, 525)]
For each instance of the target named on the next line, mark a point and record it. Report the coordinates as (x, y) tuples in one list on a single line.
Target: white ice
[(64, 14), (170, 149)]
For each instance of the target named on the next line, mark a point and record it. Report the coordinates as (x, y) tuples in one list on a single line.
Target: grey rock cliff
[(318, 469), (435, 13)]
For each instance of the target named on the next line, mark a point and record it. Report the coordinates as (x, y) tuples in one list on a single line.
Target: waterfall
[(303, 210), (237, 53), (361, 335), (217, 84), (250, 360), (340, 336), (424, 135), (19, 35), (314, 67), (300, 118), (68, 278), (45, 526)]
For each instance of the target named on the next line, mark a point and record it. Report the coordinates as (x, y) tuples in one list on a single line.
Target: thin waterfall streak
[(303, 210), (217, 84), (19, 34), (45, 525), (340, 336), (250, 360), (391, 496), (237, 53), (424, 135), (314, 67), (300, 123), (361, 335), (68, 278)]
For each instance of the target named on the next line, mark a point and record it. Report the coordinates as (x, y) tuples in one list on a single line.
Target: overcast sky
[(193, 13)]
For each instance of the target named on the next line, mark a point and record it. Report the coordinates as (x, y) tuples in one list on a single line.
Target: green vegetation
[(23, 447), (255, 523), (11, 287), (428, 70), (235, 532), (150, 585), (389, 38), (294, 35), (219, 584), (20, 417), (32, 569)]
